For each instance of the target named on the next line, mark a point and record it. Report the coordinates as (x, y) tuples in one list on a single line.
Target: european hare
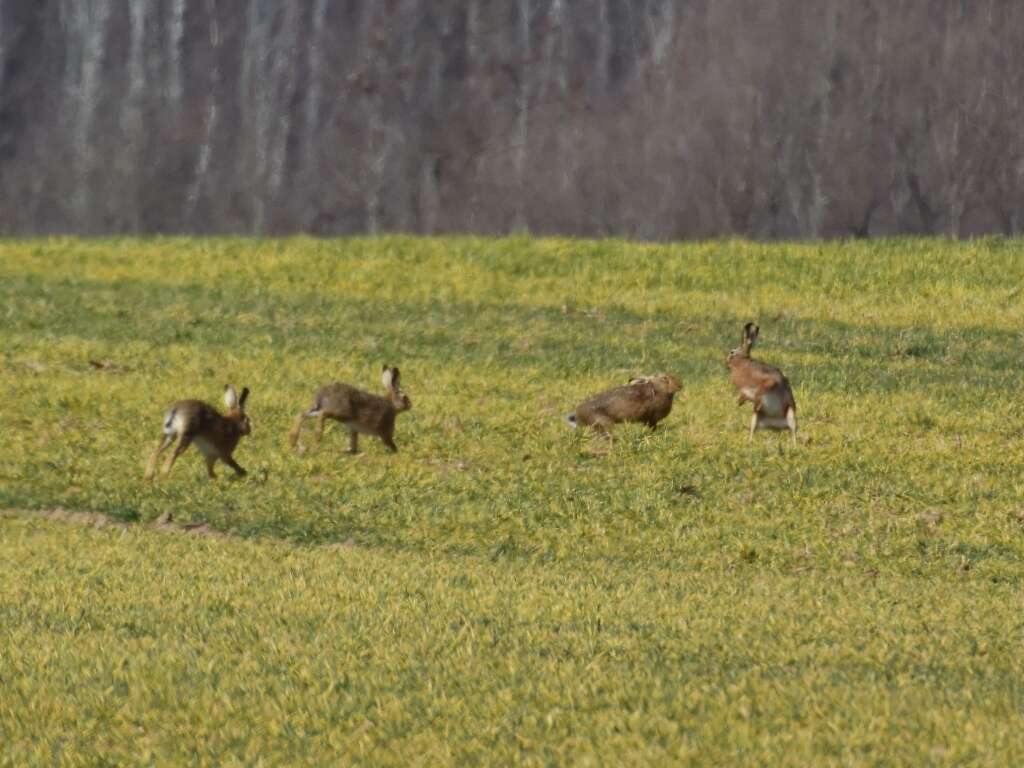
[(763, 385), (216, 436), (359, 411), (646, 400)]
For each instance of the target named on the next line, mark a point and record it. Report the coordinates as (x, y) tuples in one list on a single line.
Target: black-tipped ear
[(745, 341), (750, 331), (242, 397)]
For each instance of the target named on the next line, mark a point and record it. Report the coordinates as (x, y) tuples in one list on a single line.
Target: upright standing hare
[(646, 400), (358, 410), (215, 436), (763, 385)]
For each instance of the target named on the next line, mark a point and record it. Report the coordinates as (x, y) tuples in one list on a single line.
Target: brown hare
[(216, 436), (763, 385), (646, 400), (359, 411)]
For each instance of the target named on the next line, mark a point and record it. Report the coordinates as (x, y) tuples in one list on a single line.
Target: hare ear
[(395, 378), (230, 396), (242, 397), (750, 331), (387, 377)]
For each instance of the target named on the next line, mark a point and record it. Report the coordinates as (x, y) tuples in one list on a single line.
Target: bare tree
[(642, 118)]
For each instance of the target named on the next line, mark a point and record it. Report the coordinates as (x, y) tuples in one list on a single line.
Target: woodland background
[(650, 119)]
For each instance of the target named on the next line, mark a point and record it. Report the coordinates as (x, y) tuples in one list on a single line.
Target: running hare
[(359, 411), (215, 436), (763, 385)]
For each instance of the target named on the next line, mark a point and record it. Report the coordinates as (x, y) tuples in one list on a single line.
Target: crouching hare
[(763, 385), (359, 411), (216, 436), (646, 400)]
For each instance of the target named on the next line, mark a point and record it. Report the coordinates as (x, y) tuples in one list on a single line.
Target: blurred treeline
[(641, 118)]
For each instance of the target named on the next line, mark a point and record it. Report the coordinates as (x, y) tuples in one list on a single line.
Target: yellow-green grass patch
[(891, 537)]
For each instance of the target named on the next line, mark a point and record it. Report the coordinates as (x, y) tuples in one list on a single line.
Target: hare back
[(636, 402), (752, 377), (348, 404), (190, 416)]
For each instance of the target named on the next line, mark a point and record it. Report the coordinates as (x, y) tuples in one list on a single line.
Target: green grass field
[(497, 592)]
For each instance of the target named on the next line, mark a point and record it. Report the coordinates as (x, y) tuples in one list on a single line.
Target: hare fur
[(215, 435), (361, 412), (763, 385), (646, 400)]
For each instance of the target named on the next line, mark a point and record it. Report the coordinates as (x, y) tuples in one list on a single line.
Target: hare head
[(390, 379), (742, 352), (663, 383), (236, 408), (666, 383)]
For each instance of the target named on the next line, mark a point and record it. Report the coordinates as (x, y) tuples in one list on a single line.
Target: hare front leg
[(754, 424), (319, 434), (186, 441), (164, 444), (353, 441), (791, 421), (210, 461), (234, 465)]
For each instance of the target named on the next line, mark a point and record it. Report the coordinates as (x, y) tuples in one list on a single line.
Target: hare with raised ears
[(646, 400), (763, 385), (359, 411), (215, 435)]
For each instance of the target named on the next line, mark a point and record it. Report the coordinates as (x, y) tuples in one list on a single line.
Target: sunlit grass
[(141, 647), (902, 500)]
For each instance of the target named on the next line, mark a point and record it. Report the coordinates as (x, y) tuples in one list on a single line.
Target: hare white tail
[(172, 423)]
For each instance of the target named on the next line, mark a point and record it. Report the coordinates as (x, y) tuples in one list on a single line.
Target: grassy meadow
[(499, 592)]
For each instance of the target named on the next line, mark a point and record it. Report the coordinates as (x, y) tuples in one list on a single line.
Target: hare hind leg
[(184, 443), (163, 445), (318, 435), (295, 431)]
